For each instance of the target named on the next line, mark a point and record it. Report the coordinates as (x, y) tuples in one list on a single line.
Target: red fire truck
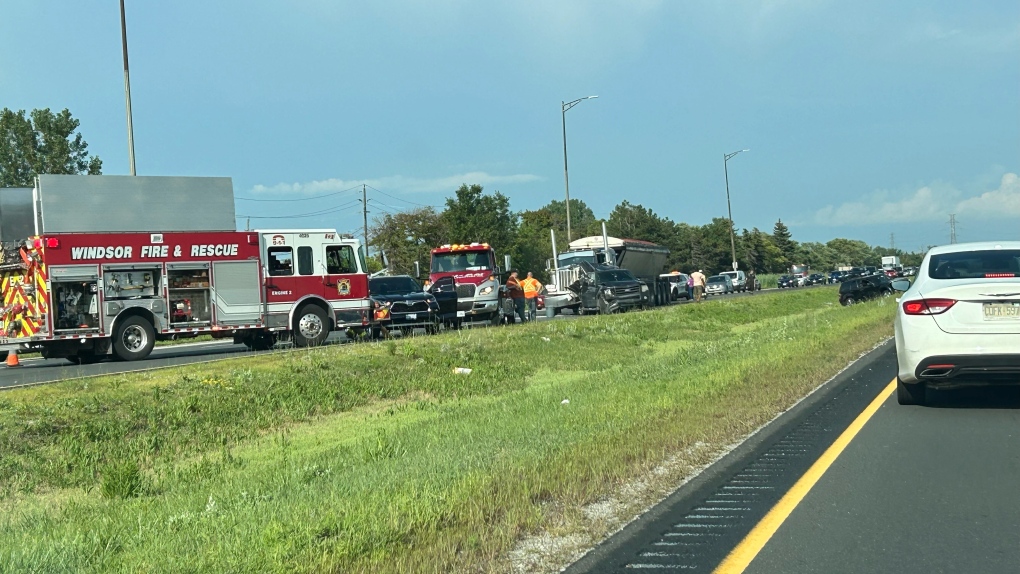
[(474, 270), (85, 296)]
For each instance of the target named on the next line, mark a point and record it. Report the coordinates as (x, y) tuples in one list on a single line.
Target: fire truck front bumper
[(352, 318)]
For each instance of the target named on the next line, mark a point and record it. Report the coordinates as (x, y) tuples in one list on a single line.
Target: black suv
[(860, 288), (402, 304), (606, 289)]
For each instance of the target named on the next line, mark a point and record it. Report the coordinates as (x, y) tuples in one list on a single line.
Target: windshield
[(975, 264), (717, 279), (461, 261), (615, 275), (393, 285), (576, 257)]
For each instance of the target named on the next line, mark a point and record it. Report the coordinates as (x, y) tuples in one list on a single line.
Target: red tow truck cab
[(476, 275)]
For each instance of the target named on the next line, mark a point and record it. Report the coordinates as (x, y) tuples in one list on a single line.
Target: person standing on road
[(516, 292), (751, 278), (690, 288), (531, 288), (699, 284)]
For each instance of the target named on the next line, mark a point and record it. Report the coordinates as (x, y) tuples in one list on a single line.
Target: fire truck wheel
[(133, 339), (310, 327)]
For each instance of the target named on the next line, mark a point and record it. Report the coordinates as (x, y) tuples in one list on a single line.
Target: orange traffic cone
[(12, 359)]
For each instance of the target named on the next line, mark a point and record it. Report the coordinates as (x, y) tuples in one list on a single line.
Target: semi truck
[(891, 262), (643, 259), (98, 266)]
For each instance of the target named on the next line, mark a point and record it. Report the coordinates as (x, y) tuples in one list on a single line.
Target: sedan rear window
[(975, 264)]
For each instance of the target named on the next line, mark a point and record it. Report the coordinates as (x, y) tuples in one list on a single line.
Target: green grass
[(377, 457)]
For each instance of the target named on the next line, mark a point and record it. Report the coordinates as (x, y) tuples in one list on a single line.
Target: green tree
[(45, 143), (849, 252), (471, 216), (407, 237), (782, 239), (582, 221)]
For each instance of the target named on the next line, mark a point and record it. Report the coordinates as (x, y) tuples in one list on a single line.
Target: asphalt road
[(916, 489)]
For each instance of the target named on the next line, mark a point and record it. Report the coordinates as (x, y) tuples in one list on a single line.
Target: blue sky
[(864, 119)]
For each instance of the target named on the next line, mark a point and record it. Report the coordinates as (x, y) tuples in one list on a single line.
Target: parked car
[(959, 322), (403, 305), (785, 281), (719, 285), (738, 278), (815, 279), (862, 288)]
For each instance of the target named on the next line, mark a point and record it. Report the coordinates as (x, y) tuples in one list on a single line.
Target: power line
[(400, 199), (342, 207), (300, 198)]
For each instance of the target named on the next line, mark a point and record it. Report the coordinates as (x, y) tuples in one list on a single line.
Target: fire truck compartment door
[(238, 292), (74, 272)]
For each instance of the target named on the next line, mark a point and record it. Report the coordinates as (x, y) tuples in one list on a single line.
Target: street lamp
[(733, 243), (564, 106)]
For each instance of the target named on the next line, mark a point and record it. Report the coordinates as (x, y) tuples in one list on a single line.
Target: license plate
[(460, 313), (412, 315), (999, 311)]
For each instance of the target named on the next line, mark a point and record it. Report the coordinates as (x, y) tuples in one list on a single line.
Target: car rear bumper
[(964, 359)]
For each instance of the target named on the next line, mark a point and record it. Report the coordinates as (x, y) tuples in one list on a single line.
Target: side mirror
[(901, 284)]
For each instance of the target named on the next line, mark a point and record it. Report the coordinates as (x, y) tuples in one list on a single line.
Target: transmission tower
[(952, 228)]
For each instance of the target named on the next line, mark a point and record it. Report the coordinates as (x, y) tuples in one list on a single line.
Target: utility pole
[(952, 228), (127, 90), (364, 213)]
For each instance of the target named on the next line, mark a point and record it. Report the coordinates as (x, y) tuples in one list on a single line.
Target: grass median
[(378, 457)]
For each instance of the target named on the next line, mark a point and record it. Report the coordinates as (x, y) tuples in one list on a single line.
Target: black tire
[(914, 394), (133, 338), (848, 301), (3, 355), (259, 341), (310, 326)]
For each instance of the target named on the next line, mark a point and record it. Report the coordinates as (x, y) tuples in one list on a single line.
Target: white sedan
[(959, 323)]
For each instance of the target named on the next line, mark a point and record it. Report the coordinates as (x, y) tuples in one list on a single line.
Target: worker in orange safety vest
[(531, 288)]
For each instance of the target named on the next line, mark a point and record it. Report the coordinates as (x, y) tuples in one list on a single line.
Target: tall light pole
[(127, 90), (729, 210), (564, 106)]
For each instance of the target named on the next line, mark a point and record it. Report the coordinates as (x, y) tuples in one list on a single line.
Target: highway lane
[(918, 490)]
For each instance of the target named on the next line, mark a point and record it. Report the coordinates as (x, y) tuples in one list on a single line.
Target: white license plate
[(999, 311), (460, 313), (411, 315)]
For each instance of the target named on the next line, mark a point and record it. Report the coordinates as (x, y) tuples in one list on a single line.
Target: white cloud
[(930, 203), (397, 183)]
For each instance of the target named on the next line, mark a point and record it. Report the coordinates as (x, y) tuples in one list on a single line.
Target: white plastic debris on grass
[(565, 402), (461, 371), (546, 339)]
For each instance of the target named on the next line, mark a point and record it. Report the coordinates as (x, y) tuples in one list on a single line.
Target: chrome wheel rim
[(310, 326), (134, 338)]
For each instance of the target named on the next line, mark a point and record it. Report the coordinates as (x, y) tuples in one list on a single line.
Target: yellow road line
[(741, 556)]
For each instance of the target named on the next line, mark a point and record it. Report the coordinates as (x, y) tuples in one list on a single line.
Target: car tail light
[(927, 306)]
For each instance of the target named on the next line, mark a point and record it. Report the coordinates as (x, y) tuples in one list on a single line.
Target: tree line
[(48, 142), (471, 215)]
